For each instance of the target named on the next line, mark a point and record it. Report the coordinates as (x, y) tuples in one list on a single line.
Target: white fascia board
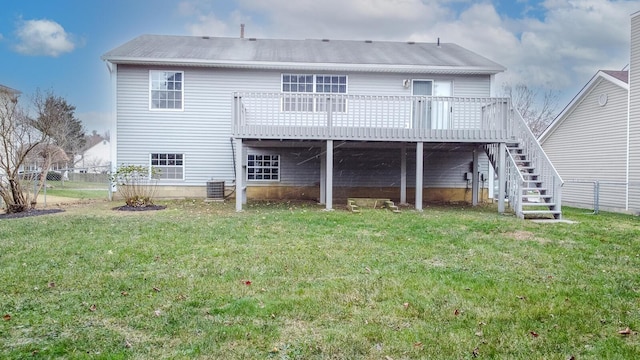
[(578, 99), (307, 66)]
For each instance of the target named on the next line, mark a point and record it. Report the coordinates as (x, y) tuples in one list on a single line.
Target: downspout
[(626, 198), (113, 136)]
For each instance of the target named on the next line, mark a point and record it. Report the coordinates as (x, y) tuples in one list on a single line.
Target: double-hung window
[(298, 87), (166, 90), (168, 166)]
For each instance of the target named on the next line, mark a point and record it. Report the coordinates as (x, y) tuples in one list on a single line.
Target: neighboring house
[(95, 160), (322, 120), (587, 143), (595, 141)]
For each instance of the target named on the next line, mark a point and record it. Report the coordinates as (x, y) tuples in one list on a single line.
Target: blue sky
[(552, 44)]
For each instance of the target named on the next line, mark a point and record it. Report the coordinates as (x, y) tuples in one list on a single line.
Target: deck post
[(502, 176), (241, 191), (329, 176), (475, 178), (403, 174), (323, 174), (419, 174)]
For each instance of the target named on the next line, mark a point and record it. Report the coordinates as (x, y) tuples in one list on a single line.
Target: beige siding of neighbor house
[(634, 115), (589, 144)]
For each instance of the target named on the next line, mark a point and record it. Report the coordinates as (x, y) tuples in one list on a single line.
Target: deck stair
[(536, 200)]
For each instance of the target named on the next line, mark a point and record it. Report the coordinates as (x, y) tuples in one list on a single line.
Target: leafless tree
[(28, 147), (18, 140), (537, 110)]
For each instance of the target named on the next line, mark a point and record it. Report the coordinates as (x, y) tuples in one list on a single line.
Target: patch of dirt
[(140, 208), (33, 212)]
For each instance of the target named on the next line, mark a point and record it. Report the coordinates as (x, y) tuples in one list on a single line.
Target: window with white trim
[(168, 166), (166, 90), (263, 167), (297, 85)]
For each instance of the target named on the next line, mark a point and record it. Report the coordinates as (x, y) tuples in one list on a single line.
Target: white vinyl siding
[(590, 144), (373, 167), (203, 129), (634, 115)]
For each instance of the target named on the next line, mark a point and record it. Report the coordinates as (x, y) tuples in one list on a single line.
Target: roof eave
[(578, 99), (263, 65)]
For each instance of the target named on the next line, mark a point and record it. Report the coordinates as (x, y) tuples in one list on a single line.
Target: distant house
[(96, 159), (324, 120), (595, 142)]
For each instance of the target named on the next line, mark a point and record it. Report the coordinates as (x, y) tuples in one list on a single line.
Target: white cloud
[(43, 37), (560, 45)]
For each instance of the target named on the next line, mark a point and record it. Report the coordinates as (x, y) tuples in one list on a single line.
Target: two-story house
[(324, 120)]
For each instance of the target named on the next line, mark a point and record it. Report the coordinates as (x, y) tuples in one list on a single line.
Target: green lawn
[(78, 189), (290, 281)]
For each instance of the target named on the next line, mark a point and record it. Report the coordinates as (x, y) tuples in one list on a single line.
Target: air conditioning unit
[(215, 190)]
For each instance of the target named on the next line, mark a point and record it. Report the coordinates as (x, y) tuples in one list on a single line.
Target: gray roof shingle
[(312, 54), (621, 75)]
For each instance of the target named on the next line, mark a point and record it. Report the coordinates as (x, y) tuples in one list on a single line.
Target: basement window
[(263, 167), (168, 166)]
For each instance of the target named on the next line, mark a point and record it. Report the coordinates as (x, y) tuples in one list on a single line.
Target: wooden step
[(540, 212)]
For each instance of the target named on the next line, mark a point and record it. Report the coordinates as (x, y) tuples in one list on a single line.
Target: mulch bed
[(28, 213), (140, 208)]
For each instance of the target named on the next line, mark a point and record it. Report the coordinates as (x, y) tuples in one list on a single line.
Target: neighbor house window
[(296, 86), (166, 89), (263, 167), (168, 166)]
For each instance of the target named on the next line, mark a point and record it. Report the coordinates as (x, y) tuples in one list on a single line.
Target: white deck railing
[(369, 117), (517, 187)]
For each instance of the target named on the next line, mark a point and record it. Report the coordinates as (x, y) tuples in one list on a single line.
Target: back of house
[(308, 119)]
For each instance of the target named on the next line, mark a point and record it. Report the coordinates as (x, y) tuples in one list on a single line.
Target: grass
[(290, 281), (78, 189)]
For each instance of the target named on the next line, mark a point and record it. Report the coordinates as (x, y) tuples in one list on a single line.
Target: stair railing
[(514, 179), (547, 173), (515, 184)]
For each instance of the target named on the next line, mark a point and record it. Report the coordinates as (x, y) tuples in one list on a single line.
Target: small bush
[(136, 184)]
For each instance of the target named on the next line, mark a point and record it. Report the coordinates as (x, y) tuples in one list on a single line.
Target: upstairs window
[(166, 90), (297, 86), (168, 166)]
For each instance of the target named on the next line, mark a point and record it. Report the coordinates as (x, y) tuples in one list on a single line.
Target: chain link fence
[(597, 195), (75, 183)]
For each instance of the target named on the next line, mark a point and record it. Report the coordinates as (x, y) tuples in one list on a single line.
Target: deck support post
[(241, 190), (323, 174), (329, 176), (502, 176), (403, 174), (475, 178), (419, 174)]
